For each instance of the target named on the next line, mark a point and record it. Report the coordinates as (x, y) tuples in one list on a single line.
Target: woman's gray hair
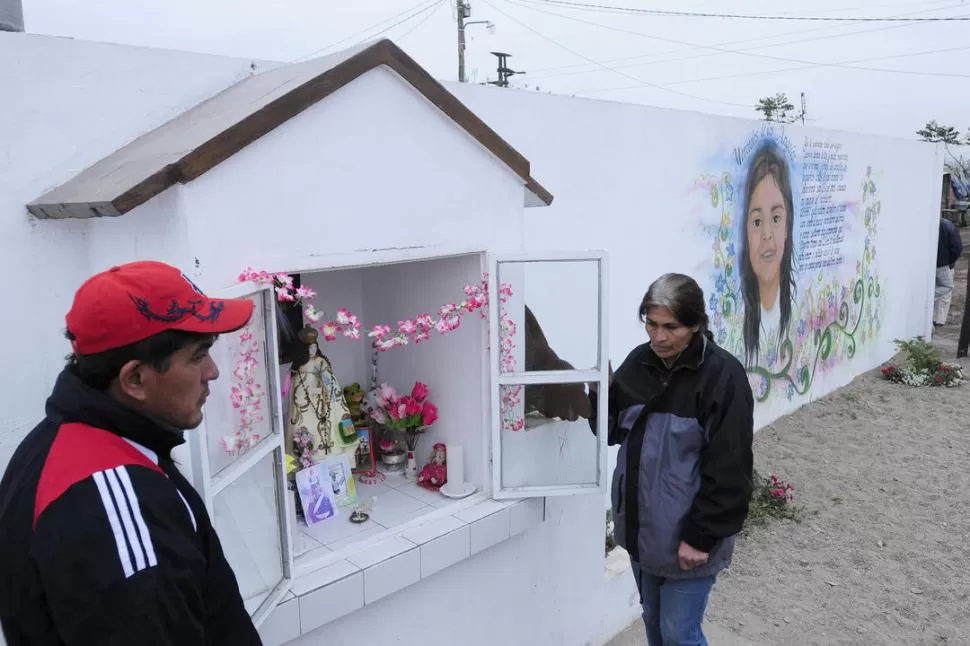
[(681, 295)]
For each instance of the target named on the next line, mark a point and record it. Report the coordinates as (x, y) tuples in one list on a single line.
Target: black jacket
[(104, 541), (684, 469), (949, 246)]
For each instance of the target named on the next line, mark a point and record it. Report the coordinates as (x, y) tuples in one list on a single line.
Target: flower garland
[(417, 329), (246, 396)]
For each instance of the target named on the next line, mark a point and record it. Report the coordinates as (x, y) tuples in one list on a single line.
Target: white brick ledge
[(379, 569)]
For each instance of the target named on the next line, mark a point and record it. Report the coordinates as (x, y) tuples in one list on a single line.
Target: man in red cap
[(104, 541)]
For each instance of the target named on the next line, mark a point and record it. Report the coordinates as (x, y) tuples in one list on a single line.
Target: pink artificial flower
[(386, 395), (345, 318), (312, 314), (304, 293), (407, 327), (353, 332), (379, 332), (329, 331), (429, 414), (419, 392), (284, 295), (284, 279), (386, 445)]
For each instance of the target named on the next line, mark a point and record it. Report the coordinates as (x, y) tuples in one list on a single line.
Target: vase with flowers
[(407, 415)]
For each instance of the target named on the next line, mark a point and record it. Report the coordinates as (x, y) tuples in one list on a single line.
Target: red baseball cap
[(133, 302)]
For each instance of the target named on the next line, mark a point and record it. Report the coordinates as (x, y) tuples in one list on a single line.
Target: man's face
[(176, 396)]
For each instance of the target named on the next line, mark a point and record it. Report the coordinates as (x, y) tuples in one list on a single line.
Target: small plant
[(922, 366), (772, 498)]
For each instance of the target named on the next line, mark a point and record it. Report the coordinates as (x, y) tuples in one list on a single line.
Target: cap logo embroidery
[(177, 312)]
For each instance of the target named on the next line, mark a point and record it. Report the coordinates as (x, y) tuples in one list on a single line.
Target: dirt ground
[(881, 557)]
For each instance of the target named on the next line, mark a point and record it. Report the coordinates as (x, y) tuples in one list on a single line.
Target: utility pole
[(803, 108), (464, 11)]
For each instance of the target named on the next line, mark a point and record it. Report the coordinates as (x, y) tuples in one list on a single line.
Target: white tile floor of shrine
[(396, 501)]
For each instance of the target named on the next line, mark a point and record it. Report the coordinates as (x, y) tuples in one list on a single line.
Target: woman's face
[(668, 336), (767, 232)]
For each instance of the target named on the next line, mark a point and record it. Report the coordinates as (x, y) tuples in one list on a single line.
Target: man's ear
[(131, 380)]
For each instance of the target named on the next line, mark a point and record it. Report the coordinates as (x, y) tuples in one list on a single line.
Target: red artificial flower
[(411, 406), (429, 413), (419, 392), (778, 493)]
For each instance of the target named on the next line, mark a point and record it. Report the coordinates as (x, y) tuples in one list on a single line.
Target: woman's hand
[(689, 557)]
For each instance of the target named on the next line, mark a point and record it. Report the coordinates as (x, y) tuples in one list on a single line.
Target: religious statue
[(435, 473), (318, 424)]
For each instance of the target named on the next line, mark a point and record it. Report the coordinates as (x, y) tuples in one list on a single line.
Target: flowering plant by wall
[(923, 366), (772, 497), (417, 328), (246, 395)]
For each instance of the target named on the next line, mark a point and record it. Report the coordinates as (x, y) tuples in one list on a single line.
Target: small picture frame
[(316, 494), (342, 480), (366, 457)]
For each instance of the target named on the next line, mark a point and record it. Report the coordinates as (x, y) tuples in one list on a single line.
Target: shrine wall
[(386, 173)]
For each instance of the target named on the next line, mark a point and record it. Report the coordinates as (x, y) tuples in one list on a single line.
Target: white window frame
[(210, 486), (599, 374)]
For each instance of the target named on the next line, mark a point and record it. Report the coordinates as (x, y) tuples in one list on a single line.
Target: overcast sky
[(718, 65)]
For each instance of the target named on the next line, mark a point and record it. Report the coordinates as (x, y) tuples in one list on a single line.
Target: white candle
[(456, 468)]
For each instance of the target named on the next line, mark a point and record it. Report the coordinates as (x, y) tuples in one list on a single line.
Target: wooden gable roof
[(197, 140)]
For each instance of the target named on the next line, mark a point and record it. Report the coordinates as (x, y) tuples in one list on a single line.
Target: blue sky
[(912, 72)]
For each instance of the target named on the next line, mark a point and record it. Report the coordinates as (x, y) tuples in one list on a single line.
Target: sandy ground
[(881, 556)]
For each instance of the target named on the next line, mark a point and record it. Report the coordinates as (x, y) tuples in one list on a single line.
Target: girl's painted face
[(767, 232)]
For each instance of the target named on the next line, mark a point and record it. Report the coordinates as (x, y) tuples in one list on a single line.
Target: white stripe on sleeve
[(109, 508), (188, 509), (146, 538), (126, 521)]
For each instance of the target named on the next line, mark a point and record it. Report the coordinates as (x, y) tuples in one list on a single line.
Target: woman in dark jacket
[(681, 409)]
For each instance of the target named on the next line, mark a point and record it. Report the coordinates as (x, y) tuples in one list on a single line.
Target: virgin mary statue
[(317, 404)]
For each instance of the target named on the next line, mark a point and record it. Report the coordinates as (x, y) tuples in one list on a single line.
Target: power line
[(421, 22), (414, 11), (774, 71), (842, 64), (691, 14), (742, 52), (608, 68), (655, 58)]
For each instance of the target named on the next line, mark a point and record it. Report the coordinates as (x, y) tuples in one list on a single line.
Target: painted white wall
[(622, 176), (66, 104)]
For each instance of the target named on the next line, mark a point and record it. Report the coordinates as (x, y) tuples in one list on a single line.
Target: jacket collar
[(73, 401), (692, 357)]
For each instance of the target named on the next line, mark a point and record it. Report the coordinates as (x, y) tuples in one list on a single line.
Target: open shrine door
[(238, 456), (547, 344)]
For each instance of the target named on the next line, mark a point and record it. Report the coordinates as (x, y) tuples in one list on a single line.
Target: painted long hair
[(767, 161)]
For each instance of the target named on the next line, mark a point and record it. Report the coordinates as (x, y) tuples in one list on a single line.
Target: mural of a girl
[(765, 258)]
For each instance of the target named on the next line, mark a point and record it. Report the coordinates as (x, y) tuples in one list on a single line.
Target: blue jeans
[(673, 609)]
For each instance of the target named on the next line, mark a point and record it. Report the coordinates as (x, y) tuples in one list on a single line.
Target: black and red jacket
[(104, 541)]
